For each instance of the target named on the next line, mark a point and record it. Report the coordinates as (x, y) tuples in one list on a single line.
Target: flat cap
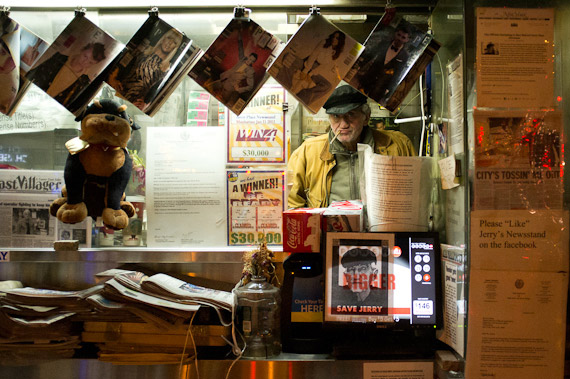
[(343, 100), (358, 256)]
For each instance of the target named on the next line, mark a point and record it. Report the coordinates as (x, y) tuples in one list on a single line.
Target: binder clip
[(80, 11), (153, 11), (5, 11), (242, 13), (314, 10), (285, 107)]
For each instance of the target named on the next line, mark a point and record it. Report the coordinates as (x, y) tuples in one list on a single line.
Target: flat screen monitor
[(384, 280)]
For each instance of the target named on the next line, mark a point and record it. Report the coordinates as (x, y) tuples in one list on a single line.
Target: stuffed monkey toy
[(98, 168)]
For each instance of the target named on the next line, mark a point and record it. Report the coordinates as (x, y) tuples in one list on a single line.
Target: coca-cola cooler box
[(344, 216), (302, 230)]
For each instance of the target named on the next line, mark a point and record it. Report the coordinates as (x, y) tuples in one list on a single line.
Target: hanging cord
[(189, 333), (443, 86), (423, 115), (404, 107), (234, 343)]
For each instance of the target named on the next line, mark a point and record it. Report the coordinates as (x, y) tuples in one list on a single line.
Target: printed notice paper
[(401, 204), (517, 324), (453, 268), (186, 201), (515, 68), (398, 370), (519, 240), (455, 99)]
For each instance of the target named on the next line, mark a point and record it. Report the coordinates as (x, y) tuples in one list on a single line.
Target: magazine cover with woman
[(235, 65), (19, 50), (314, 61), (395, 55), (76, 57), (152, 64)]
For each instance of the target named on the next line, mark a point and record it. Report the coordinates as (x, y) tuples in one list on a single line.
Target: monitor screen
[(390, 280)]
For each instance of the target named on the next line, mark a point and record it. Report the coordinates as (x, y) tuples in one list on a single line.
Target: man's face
[(401, 38), (359, 276), (349, 126), (250, 60)]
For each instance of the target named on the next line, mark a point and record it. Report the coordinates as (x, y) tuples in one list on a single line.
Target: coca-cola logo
[(293, 227)]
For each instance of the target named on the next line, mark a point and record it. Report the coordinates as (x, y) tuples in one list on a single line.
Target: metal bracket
[(242, 13), (80, 11), (153, 11)]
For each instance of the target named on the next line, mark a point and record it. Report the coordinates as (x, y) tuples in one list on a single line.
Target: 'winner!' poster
[(255, 207), (258, 133)]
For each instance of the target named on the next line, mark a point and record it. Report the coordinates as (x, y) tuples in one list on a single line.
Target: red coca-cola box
[(344, 216), (302, 230)]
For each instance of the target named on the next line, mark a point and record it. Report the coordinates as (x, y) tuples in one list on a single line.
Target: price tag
[(423, 307)]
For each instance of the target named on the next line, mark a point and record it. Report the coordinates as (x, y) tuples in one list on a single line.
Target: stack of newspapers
[(174, 319), (38, 324)]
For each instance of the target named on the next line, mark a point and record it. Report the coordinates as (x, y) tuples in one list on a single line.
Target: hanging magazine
[(68, 67), (234, 66), (395, 55), (314, 61), (152, 64), (19, 50)]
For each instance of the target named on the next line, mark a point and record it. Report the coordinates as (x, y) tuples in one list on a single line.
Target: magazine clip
[(314, 10), (80, 11), (153, 11), (5, 11), (242, 13)]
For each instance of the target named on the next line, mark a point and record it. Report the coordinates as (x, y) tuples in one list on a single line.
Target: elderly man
[(325, 168)]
